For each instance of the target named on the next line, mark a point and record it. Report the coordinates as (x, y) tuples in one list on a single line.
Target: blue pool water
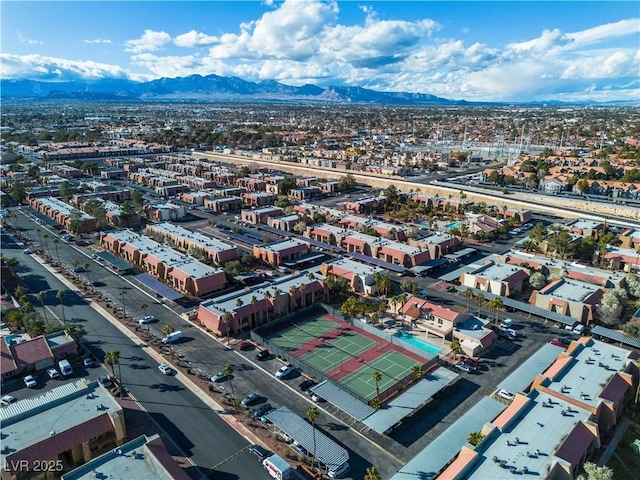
[(453, 225), (417, 342)]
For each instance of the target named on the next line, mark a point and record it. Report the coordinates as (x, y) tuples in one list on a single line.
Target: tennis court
[(393, 367), (331, 354), (297, 334)]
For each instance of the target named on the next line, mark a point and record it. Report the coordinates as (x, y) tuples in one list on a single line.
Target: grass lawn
[(624, 461)]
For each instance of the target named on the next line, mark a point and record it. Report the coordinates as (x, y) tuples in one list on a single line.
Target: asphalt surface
[(158, 393), (196, 431)]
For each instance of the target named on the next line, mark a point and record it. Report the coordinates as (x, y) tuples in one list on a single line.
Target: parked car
[(558, 343), (27, 251), (244, 345), (250, 399), (52, 372), (7, 400), (30, 381), (262, 354), (284, 371), (219, 377), (506, 395), (146, 319), (166, 369), (105, 382), (88, 362), (261, 410), (305, 385), (463, 367), (259, 452)]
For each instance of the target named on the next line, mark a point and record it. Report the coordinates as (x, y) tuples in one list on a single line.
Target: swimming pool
[(417, 342), (453, 225)]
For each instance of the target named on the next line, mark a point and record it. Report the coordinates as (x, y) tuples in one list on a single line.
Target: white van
[(339, 471), (172, 337), (65, 368), (278, 467), (578, 329)]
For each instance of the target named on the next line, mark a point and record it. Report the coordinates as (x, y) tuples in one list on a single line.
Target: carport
[(328, 452), (385, 419), (159, 288), (114, 262), (342, 400)]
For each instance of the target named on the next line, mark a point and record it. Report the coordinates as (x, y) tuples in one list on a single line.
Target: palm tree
[(474, 438), (46, 244), (268, 296), (480, 301), (226, 320), (254, 301), (41, 296), (496, 304), (468, 294), (111, 358), (60, 296), (39, 232), (55, 243), (124, 312), (75, 263), (227, 371), (239, 303), (312, 415), (85, 266), (302, 288), (456, 347), (417, 372), (372, 473), (377, 376)]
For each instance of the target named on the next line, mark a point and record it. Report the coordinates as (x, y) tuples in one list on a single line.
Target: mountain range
[(211, 88)]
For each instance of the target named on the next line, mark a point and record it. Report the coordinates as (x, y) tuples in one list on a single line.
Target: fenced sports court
[(345, 354)]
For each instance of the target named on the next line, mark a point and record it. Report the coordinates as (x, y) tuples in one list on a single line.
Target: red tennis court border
[(380, 348)]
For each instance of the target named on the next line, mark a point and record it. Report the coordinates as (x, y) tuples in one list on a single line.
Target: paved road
[(200, 435)]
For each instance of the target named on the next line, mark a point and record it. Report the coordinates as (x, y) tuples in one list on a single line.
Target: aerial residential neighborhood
[(313, 239)]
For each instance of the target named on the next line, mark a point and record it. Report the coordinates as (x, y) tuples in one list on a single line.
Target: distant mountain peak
[(209, 88)]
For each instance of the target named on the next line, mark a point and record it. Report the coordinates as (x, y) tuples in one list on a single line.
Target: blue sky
[(474, 50)]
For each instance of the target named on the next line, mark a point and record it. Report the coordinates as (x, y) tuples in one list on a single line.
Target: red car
[(558, 343), (244, 346)]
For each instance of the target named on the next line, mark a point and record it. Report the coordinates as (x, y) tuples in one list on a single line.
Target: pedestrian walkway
[(617, 437)]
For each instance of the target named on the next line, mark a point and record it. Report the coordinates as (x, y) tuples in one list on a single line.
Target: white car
[(30, 381), (166, 369), (7, 400), (146, 319), (52, 372), (463, 367), (506, 395), (284, 371)]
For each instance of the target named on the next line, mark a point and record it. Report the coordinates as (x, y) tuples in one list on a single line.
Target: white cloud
[(622, 28), (195, 39), (150, 41), (99, 40), (168, 66), (51, 68), (27, 41)]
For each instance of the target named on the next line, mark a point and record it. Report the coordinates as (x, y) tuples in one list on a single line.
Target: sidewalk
[(231, 420)]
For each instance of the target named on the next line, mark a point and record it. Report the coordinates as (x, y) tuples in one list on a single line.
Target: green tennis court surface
[(331, 354), (298, 334), (393, 367)]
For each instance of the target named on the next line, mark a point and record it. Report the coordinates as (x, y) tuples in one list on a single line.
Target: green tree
[(594, 472), (286, 185), (377, 377), (474, 438), (122, 294), (127, 212), (111, 358), (383, 283), (582, 186), (41, 295), (137, 202), (312, 415), (496, 304), (226, 320), (239, 303), (538, 232), (46, 244), (372, 473), (346, 183), (60, 296), (468, 294), (18, 193), (66, 190), (537, 280), (95, 208), (455, 346), (417, 372)]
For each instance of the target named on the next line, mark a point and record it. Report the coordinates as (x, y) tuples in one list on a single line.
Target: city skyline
[(475, 51)]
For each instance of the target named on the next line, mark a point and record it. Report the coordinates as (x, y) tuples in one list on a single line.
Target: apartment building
[(224, 204), (260, 215), (242, 310), (64, 214), (572, 298), (65, 427), (163, 212), (185, 240), (283, 251), (361, 277), (499, 279), (179, 271), (258, 199)]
